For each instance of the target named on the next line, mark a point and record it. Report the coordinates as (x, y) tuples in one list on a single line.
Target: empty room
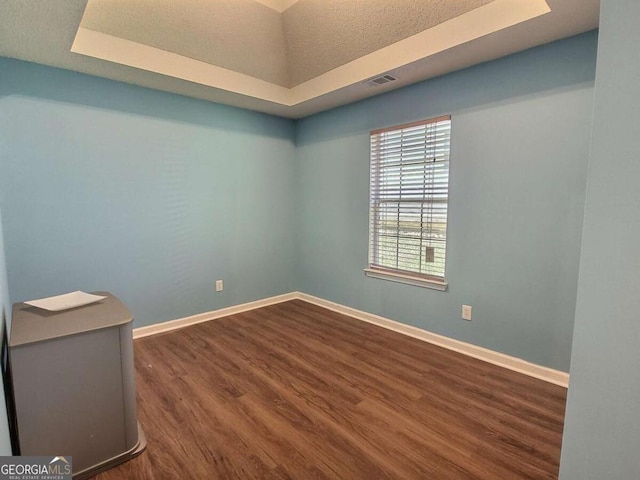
[(320, 239)]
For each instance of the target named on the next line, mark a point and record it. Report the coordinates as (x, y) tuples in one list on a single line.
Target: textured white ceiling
[(44, 32), (241, 35), (308, 39), (324, 34)]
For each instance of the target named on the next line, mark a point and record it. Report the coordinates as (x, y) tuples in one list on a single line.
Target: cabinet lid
[(31, 324)]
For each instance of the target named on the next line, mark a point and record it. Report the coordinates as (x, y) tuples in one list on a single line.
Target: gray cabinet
[(74, 384)]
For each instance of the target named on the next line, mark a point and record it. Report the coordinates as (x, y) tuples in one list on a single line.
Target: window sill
[(406, 279)]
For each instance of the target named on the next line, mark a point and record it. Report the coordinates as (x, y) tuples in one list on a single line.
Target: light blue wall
[(5, 316), (155, 196), (152, 196), (520, 137), (602, 429)]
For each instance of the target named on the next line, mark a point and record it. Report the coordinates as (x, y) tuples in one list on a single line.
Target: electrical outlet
[(219, 286), (466, 312)]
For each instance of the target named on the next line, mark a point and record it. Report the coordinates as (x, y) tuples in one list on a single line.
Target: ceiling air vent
[(374, 82)]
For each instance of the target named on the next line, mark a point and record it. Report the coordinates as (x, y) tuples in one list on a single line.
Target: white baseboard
[(213, 315), (500, 359)]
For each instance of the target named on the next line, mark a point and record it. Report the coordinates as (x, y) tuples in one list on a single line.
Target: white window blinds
[(408, 198)]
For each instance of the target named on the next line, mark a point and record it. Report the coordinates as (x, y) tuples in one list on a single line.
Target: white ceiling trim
[(472, 25), (490, 18), (133, 54), (278, 5)]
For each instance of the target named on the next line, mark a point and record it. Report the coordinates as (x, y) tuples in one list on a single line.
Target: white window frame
[(397, 153)]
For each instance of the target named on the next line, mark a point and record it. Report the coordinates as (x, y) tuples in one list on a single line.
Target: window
[(408, 202)]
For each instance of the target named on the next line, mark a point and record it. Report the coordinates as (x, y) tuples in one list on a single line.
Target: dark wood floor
[(297, 391)]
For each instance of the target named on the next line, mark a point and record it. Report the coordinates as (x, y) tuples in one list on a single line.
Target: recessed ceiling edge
[(490, 18)]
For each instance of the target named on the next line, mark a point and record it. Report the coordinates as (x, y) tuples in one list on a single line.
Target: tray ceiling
[(286, 57)]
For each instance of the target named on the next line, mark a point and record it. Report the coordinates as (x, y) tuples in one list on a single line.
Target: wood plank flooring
[(296, 391)]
